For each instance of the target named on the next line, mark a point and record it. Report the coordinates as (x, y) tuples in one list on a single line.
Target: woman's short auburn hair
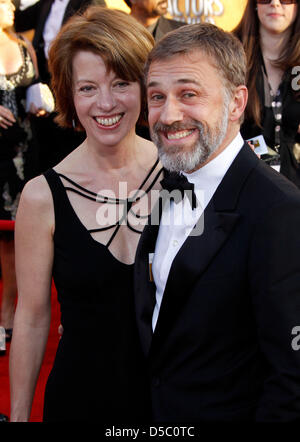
[(121, 41)]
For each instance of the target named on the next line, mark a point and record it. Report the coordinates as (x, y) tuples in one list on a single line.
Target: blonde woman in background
[(17, 153)]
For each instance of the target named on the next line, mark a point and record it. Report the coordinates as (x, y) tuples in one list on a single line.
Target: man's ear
[(238, 103)]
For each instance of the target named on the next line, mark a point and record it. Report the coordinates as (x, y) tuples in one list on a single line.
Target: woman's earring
[(73, 123)]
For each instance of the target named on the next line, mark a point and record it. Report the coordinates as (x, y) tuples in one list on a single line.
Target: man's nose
[(171, 111)]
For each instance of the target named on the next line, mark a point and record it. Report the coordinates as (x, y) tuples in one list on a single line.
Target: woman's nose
[(106, 100)]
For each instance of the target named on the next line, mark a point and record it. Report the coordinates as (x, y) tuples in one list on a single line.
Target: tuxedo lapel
[(43, 15), (45, 9), (72, 7), (219, 220), (77, 6), (144, 287), (164, 26), (190, 263)]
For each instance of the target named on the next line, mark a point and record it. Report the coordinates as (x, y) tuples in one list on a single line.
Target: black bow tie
[(175, 181)]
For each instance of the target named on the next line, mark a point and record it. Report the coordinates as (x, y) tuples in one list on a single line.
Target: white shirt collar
[(208, 177), (54, 22)]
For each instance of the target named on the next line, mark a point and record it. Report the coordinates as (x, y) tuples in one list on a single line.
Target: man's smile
[(178, 134)]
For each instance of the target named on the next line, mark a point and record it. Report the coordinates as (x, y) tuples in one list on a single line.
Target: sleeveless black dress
[(98, 373)]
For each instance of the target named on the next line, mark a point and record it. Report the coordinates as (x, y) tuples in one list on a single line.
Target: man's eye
[(156, 97), (189, 94)]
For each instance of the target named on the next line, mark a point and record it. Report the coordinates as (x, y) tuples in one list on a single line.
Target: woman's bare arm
[(34, 257)]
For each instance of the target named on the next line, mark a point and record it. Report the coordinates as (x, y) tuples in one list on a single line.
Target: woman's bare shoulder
[(37, 193), (36, 210)]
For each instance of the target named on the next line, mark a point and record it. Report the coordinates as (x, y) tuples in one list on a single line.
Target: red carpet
[(37, 408)]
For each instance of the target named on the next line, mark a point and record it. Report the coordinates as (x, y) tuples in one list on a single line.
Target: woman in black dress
[(17, 153), (80, 223), (270, 33)]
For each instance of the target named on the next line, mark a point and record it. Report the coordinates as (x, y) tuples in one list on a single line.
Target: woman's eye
[(86, 88), (122, 84)]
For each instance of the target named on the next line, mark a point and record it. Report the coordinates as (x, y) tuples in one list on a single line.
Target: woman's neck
[(273, 45), (113, 158)]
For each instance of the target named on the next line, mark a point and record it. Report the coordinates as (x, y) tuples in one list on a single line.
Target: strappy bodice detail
[(114, 222)]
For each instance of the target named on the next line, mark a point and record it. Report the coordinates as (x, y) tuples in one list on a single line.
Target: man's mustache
[(177, 126)]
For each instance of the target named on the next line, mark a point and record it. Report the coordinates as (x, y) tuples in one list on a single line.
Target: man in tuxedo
[(46, 18), (218, 304), (151, 14)]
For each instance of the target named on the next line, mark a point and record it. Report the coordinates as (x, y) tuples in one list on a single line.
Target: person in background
[(80, 222), (151, 14), (18, 153), (46, 18), (3, 418), (270, 33)]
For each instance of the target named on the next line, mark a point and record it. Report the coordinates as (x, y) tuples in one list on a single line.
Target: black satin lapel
[(144, 288), (191, 261), (42, 18), (75, 6), (72, 7)]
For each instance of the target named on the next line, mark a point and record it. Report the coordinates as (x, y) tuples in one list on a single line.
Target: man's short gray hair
[(223, 48)]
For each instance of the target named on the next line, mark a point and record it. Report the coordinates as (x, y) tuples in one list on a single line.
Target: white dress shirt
[(178, 220), (24, 4), (54, 22)]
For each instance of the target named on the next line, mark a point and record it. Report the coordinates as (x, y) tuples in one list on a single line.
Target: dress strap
[(61, 201), (150, 172), (58, 193), (80, 190), (31, 52), (53, 182), (76, 185)]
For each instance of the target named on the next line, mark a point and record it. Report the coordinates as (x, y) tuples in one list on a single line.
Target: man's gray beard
[(209, 140)]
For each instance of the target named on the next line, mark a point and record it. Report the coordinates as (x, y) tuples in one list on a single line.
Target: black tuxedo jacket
[(35, 18), (222, 347)]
